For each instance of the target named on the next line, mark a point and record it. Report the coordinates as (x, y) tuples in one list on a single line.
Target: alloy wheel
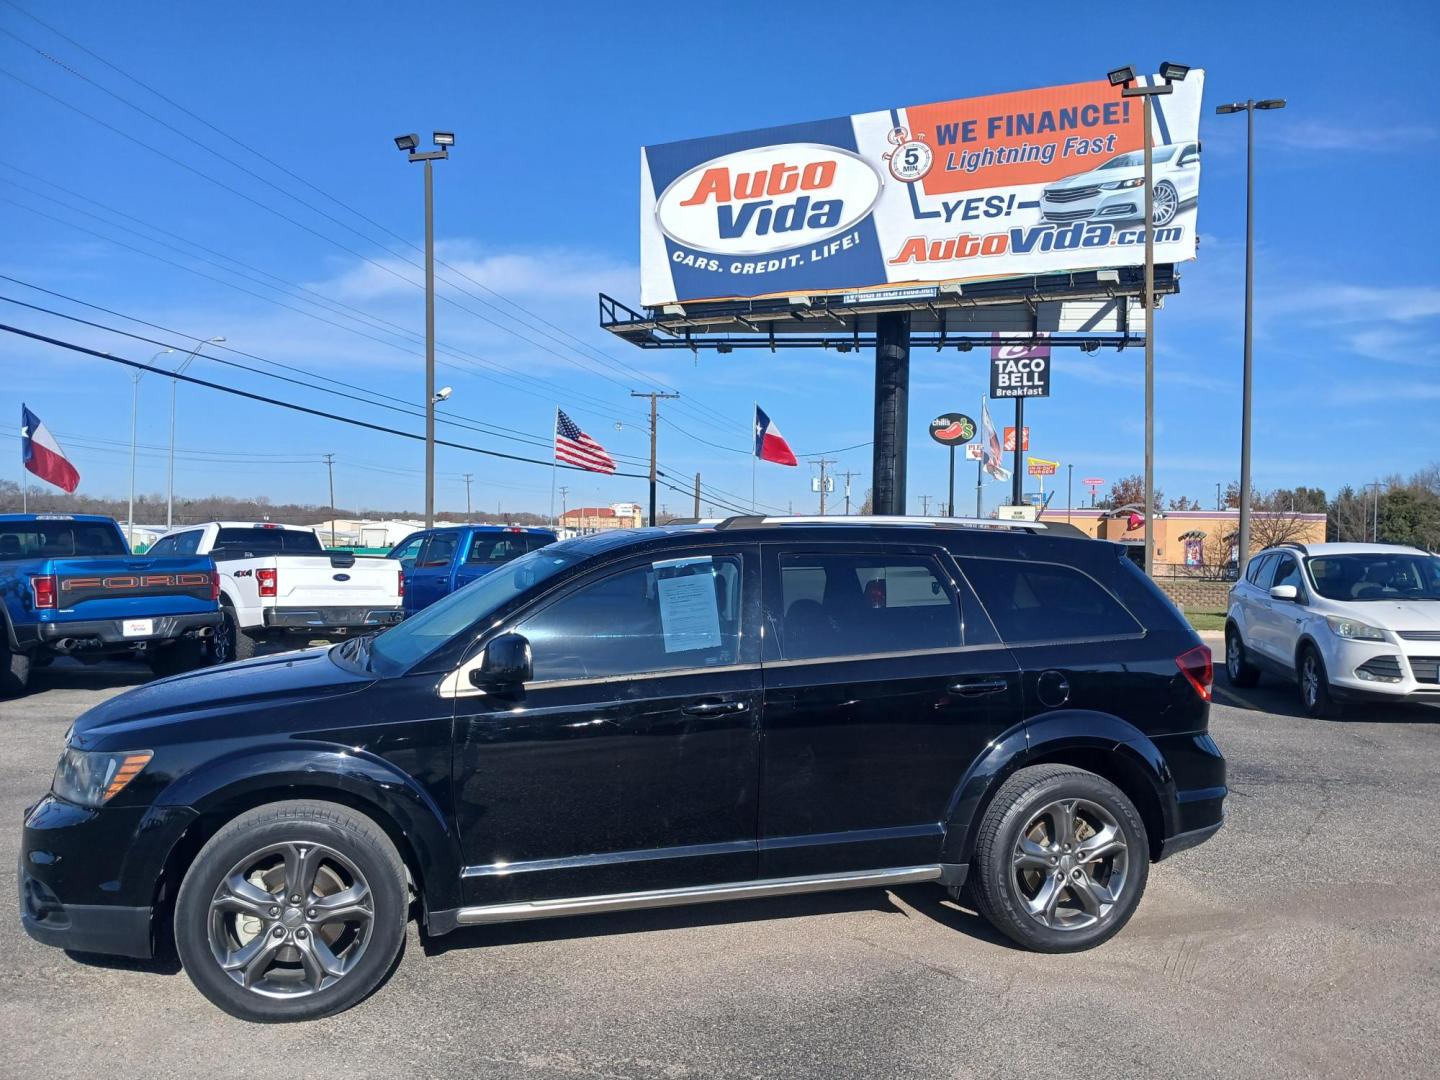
[(1164, 203), (291, 919), (224, 639), (1070, 864), (1232, 657)]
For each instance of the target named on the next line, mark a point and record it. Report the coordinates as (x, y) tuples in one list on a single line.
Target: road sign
[(829, 484), (1010, 440), (952, 429)]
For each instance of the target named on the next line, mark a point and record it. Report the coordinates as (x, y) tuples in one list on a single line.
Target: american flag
[(574, 447)]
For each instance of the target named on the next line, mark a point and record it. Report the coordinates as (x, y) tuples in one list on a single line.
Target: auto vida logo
[(767, 199)]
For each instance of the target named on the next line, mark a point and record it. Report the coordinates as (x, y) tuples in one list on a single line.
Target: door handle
[(715, 708), (978, 687)]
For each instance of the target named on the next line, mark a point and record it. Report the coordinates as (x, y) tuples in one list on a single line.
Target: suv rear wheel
[(1238, 668), (1061, 859), (292, 911)]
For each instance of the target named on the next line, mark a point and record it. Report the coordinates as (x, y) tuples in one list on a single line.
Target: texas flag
[(42, 454), (770, 445)]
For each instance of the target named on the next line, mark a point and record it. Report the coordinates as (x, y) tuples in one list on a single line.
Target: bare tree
[(1276, 521)]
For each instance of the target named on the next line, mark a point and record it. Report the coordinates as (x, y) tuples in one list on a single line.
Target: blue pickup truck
[(438, 561), (70, 587)]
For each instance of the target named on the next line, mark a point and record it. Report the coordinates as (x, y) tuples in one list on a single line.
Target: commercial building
[(1193, 541), (584, 520)]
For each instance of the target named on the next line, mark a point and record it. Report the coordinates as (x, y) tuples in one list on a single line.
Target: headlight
[(1137, 182), (1354, 631), (93, 779)]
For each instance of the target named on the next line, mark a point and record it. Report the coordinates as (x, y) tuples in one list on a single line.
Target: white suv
[(1346, 621)]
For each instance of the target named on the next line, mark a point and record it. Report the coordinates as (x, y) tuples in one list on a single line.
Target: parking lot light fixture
[(134, 413), (1246, 394), (410, 143), (1125, 78)]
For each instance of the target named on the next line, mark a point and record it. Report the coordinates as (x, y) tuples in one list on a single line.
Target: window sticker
[(689, 612)]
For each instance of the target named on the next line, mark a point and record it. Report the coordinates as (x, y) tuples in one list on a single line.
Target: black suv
[(638, 719)]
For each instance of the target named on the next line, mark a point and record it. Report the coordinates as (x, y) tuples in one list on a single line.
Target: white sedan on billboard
[(1114, 191)]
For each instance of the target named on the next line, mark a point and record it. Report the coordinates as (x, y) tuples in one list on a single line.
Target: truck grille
[(1426, 668), (1072, 194)]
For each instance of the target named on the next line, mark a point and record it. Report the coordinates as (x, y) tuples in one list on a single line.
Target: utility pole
[(655, 397), (1219, 505), (924, 505), (1069, 490), (848, 474), (330, 468), (1375, 513), (468, 478), (824, 464), (563, 492), (697, 496)]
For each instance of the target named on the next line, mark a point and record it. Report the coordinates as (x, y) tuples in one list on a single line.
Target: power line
[(292, 406)]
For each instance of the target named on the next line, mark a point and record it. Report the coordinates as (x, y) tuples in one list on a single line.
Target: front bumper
[(88, 878), (1397, 672), (343, 619), (108, 635)]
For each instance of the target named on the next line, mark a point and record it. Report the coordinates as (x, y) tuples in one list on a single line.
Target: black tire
[(230, 641), (345, 833), (1238, 668), (1001, 888), (178, 657), (1315, 696), (14, 668)]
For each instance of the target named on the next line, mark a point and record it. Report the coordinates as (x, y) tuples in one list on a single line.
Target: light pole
[(408, 143), (134, 412), (1248, 108), (1125, 79), (170, 482)]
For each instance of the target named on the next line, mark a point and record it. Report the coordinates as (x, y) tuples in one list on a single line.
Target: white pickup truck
[(277, 582)]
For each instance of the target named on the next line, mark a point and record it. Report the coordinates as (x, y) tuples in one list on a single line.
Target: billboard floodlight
[(1173, 72), (444, 138), (1121, 76), (406, 142)]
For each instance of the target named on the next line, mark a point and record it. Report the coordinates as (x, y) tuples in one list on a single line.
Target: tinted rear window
[(492, 550), (261, 541), (58, 539), (1046, 601)]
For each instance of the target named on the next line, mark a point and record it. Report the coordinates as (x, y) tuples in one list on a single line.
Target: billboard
[(1036, 181)]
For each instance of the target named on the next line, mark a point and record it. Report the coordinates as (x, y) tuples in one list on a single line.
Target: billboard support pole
[(1149, 348), (1017, 478), (892, 393)]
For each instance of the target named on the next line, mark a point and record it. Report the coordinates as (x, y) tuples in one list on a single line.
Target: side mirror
[(505, 663), (1285, 592)]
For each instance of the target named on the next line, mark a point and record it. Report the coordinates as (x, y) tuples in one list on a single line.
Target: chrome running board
[(694, 894)]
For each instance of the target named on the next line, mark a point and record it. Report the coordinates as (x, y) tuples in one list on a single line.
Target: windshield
[(401, 646), (1377, 576), (1136, 158)]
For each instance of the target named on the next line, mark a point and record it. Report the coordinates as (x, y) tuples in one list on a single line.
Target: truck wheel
[(14, 669), (231, 642), (187, 654), (292, 911), (1061, 859)]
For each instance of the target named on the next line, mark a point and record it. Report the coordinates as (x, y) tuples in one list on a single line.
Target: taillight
[(214, 584), (267, 580), (43, 588), (1198, 668), (402, 581)]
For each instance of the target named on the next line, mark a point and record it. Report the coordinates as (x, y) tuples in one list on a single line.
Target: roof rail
[(1296, 545), (755, 521)]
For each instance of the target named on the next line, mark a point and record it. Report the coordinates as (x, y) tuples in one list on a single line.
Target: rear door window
[(1258, 569), (853, 604), (1033, 602)]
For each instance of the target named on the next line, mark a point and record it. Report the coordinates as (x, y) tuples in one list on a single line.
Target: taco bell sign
[(1019, 370)]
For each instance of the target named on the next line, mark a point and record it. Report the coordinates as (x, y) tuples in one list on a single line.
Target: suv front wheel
[(292, 911), (1061, 859)]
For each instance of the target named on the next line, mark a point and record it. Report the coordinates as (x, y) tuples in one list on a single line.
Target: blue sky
[(538, 207)]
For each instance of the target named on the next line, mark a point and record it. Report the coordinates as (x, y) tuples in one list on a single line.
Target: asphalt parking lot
[(1299, 942)]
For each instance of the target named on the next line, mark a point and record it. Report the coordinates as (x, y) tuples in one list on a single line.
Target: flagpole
[(554, 467), (754, 412)]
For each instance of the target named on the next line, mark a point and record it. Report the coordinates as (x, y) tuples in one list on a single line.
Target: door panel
[(862, 753), (430, 579), (606, 775)]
